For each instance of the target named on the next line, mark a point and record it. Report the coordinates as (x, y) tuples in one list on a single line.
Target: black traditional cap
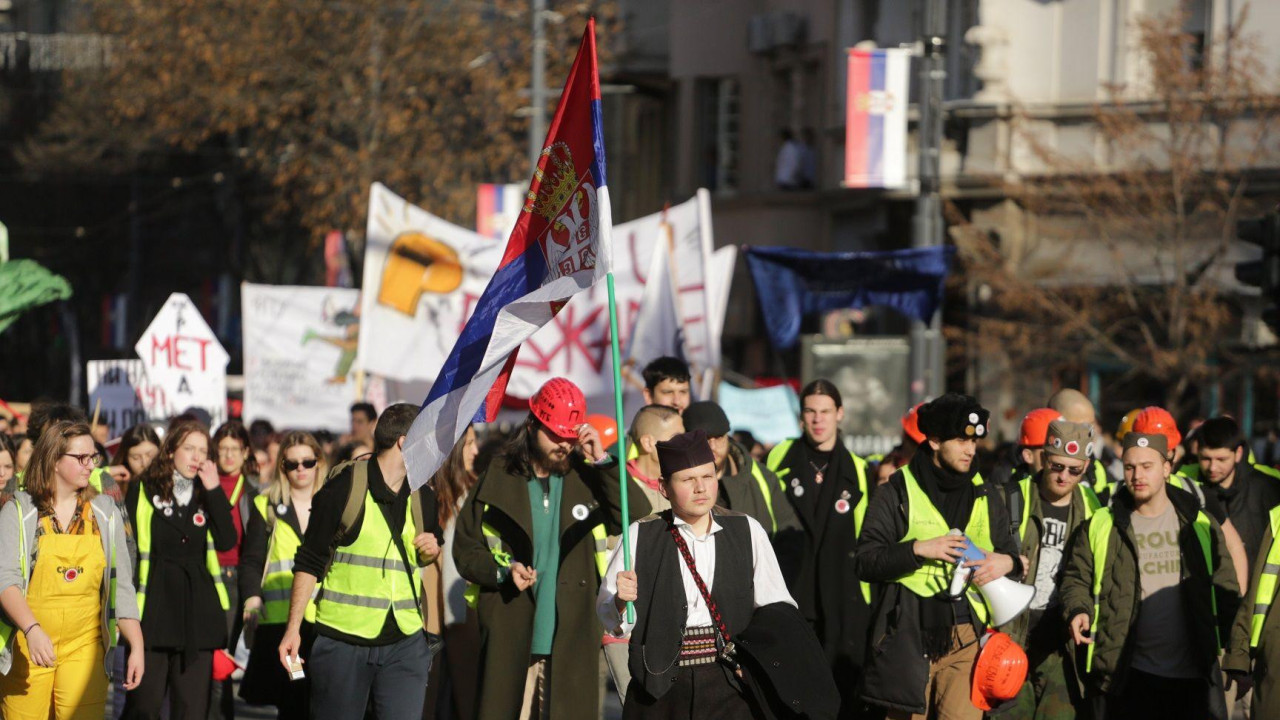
[(684, 451), (706, 416), (953, 416), (1155, 441)]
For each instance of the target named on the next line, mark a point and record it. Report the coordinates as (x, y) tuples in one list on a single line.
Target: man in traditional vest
[(698, 575), (924, 642), (370, 644), (1045, 510), (828, 486), (532, 538), (1147, 587)]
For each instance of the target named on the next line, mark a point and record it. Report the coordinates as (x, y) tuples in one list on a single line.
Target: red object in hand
[(223, 665)]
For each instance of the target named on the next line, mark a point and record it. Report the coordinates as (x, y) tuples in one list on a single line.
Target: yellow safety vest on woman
[(924, 522), (142, 516), (277, 580), (368, 577)]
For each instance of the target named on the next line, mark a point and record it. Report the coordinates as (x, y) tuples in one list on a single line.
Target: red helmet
[(911, 425), (1035, 427), (560, 405), (1157, 421), (999, 671)]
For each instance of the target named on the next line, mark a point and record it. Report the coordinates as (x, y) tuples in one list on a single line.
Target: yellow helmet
[(1126, 423)]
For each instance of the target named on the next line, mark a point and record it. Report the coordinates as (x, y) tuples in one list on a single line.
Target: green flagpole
[(622, 435)]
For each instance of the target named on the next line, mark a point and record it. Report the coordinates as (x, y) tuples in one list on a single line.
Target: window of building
[(719, 130)]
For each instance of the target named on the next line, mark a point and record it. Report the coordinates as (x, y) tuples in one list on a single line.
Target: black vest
[(661, 608)]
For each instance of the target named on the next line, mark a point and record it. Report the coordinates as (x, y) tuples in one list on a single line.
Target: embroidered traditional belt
[(699, 646)]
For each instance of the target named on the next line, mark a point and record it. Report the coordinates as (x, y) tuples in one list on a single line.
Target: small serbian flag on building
[(498, 208), (876, 119), (560, 246)]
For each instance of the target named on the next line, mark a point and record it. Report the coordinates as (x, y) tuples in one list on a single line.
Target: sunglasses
[(1060, 468), (291, 465)]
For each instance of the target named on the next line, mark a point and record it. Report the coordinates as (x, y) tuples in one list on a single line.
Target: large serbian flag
[(560, 246), (876, 119)]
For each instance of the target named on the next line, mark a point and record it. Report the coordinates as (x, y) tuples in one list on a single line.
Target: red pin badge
[(70, 574), (842, 506), (198, 518)]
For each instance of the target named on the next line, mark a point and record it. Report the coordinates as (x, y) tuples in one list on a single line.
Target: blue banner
[(792, 283)]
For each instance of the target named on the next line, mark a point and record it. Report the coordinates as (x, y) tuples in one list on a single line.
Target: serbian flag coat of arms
[(560, 246)]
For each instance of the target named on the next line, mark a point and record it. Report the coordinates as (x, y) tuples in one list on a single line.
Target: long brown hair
[(158, 479), (453, 480), (41, 471), (278, 490)]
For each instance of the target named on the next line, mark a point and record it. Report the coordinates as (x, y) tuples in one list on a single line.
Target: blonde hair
[(278, 491), (39, 477)]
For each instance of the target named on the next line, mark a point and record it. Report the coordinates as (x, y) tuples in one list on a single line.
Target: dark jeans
[(1151, 697), (345, 678), (187, 683)]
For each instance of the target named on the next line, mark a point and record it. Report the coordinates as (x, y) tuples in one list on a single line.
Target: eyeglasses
[(1060, 468), (85, 460), (230, 452), (291, 465)]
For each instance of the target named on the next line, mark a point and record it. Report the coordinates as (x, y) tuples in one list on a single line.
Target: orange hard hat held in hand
[(999, 671)]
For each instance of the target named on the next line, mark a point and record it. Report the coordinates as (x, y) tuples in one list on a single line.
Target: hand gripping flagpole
[(623, 485)]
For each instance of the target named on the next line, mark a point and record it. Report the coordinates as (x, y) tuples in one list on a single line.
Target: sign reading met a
[(184, 358)]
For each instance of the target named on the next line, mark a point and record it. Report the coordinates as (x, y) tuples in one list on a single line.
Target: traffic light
[(1263, 273)]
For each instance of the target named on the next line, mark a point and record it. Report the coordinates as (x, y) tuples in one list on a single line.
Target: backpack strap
[(355, 498), (415, 509)]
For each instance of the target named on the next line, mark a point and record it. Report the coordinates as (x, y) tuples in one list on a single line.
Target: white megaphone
[(1006, 598)]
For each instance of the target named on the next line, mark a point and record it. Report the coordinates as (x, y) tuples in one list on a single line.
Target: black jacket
[(822, 576), (784, 664), (182, 611), (897, 670), (1248, 504)]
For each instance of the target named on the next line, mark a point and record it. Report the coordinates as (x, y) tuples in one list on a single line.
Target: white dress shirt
[(769, 586)]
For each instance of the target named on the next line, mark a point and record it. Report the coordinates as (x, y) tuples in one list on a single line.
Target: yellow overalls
[(65, 596)]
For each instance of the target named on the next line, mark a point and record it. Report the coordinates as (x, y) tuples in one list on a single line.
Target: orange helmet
[(1157, 421), (607, 428), (1035, 427), (1126, 423), (560, 405), (999, 671), (911, 425)]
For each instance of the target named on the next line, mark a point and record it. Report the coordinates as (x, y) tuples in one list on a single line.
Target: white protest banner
[(576, 342), (183, 357), (682, 310), (422, 276), (299, 349), (121, 394), (406, 263)]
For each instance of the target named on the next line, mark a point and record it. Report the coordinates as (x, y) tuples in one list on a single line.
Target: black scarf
[(952, 494)]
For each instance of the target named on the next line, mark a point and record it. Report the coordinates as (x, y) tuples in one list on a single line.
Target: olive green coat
[(1264, 661), (1121, 596), (501, 500)]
